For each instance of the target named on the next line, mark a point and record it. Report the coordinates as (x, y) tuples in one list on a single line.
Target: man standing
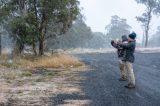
[(129, 58), (120, 52)]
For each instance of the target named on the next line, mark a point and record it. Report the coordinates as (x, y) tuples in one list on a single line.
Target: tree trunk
[(23, 8), (42, 31), (34, 48), (41, 47), (41, 41), (18, 48), (149, 16), (146, 40), (35, 12), (0, 43)]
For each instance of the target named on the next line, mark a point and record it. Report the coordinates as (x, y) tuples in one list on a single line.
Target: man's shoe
[(130, 86), (122, 79)]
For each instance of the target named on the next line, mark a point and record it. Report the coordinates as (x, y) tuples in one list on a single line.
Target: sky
[(98, 14)]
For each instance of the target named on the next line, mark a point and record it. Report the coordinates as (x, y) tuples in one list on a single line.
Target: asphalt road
[(103, 88)]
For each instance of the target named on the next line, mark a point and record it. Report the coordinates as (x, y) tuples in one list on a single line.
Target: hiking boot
[(122, 79), (130, 86)]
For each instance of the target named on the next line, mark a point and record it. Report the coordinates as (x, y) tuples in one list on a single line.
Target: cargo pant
[(122, 68), (130, 73)]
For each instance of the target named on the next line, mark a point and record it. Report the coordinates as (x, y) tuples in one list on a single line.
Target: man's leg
[(130, 74), (122, 70)]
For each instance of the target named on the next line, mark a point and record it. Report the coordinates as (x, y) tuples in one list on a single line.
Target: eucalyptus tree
[(39, 18), (117, 27), (145, 19)]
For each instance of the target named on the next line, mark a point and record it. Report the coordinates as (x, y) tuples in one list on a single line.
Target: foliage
[(78, 36), (145, 19), (99, 40), (117, 28), (157, 9), (154, 41), (21, 32), (42, 16)]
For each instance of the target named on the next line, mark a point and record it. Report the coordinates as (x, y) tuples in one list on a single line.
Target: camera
[(114, 43)]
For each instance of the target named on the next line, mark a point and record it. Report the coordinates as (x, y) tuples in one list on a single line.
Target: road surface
[(103, 88), (100, 86)]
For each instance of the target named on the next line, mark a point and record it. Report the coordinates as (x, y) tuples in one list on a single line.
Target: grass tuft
[(31, 62)]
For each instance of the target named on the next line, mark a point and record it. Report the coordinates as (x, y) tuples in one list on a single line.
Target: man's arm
[(114, 44), (124, 45)]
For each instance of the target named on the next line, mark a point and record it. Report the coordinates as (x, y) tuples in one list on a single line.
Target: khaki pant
[(122, 68), (130, 73)]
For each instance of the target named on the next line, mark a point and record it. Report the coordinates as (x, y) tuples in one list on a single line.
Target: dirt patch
[(39, 87)]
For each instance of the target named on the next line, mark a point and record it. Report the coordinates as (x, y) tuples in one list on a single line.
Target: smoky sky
[(98, 14)]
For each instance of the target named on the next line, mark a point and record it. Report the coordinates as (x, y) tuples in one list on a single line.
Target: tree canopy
[(117, 27), (42, 16), (152, 7), (77, 36), (154, 41)]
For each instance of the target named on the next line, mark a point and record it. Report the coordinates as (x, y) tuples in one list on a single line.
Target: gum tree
[(146, 17), (39, 18)]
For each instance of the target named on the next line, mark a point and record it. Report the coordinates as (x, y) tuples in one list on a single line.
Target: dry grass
[(54, 61), (9, 76), (36, 87)]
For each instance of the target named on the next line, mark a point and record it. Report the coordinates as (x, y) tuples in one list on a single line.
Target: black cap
[(132, 35)]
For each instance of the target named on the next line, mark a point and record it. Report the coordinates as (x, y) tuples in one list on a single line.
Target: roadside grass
[(32, 62), (41, 68), (57, 61), (30, 78)]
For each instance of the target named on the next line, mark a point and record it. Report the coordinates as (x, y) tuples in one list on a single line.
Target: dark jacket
[(120, 50), (129, 51)]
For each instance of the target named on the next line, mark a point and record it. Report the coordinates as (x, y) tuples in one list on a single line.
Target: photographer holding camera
[(121, 52), (129, 58)]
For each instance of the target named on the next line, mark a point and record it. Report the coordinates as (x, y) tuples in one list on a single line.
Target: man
[(129, 58), (120, 52)]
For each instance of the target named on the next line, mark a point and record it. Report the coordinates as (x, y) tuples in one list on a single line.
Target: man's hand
[(119, 42), (115, 41), (112, 41)]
